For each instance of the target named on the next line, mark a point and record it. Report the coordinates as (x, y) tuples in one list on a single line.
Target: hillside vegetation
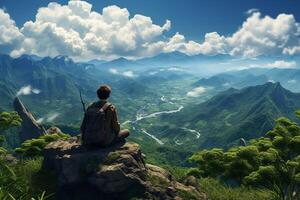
[(271, 162)]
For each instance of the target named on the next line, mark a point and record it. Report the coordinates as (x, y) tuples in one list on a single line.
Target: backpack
[(94, 132)]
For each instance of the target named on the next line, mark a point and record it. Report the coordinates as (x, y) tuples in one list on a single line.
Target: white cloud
[(27, 90), (227, 84), (40, 120), (196, 92), (78, 31), (174, 69), (291, 50), (292, 81), (48, 118), (113, 71), (52, 117), (257, 36), (214, 44), (128, 73), (153, 73), (282, 64), (10, 36), (275, 64), (251, 11)]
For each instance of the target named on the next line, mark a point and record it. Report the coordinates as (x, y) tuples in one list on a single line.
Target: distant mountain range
[(51, 85), (233, 114), (289, 78)]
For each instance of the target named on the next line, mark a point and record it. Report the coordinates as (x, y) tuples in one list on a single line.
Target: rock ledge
[(116, 172)]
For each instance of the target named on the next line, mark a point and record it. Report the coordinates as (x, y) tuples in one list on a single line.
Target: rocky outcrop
[(53, 130), (116, 172), (30, 128)]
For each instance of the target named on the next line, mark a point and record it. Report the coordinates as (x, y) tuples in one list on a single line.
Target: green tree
[(271, 162), (9, 119)]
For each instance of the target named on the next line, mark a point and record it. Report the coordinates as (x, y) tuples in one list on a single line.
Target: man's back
[(111, 124), (100, 124)]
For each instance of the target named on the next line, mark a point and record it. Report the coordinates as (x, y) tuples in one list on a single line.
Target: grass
[(157, 181), (111, 157), (187, 195), (217, 191), (25, 180)]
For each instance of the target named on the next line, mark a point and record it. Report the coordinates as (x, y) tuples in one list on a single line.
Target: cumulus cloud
[(27, 90), (291, 50), (78, 31), (282, 64), (196, 92), (257, 36), (75, 30), (10, 36)]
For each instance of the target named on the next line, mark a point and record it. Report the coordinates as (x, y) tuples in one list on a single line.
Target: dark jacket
[(111, 118)]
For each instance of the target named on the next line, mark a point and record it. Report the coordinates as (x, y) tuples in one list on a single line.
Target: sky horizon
[(134, 29)]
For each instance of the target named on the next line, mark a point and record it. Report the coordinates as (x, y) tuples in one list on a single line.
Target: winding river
[(141, 115)]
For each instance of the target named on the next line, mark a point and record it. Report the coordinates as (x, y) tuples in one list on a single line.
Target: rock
[(9, 158), (242, 142), (192, 181), (30, 128), (116, 172), (53, 130)]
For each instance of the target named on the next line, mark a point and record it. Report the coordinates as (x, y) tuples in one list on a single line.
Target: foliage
[(34, 147), (218, 191), (271, 162), (24, 179), (9, 119)]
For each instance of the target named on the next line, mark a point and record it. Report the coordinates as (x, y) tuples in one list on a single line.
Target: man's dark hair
[(103, 92)]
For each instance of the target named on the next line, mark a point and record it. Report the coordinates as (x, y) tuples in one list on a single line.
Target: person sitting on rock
[(100, 125)]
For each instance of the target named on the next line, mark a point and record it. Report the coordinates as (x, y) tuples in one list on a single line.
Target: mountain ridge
[(233, 114)]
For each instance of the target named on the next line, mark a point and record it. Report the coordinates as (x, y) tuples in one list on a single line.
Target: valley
[(166, 106)]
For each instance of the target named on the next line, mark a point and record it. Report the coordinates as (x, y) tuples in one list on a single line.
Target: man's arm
[(115, 122)]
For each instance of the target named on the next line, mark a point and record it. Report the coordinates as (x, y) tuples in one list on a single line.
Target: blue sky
[(139, 28), (194, 18)]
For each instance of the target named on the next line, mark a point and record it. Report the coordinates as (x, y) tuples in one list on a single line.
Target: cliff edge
[(116, 172)]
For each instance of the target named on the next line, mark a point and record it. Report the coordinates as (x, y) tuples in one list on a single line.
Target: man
[(100, 125)]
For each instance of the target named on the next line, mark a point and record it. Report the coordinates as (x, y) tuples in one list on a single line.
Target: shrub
[(34, 147)]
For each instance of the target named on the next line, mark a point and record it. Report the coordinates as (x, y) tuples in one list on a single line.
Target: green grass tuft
[(217, 191)]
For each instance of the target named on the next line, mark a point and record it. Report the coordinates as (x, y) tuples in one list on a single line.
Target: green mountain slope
[(234, 114)]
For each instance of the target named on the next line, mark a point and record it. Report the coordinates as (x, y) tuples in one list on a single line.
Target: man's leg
[(121, 136)]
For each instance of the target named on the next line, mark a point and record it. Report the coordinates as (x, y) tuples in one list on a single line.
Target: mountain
[(50, 86), (122, 63), (289, 78), (30, 128), (233, 114), (165, 59), (96, 62)]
